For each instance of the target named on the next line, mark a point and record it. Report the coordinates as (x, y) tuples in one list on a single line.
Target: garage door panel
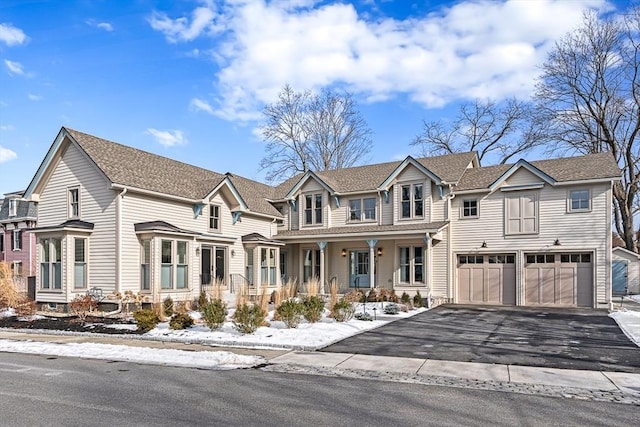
[(494, 285), (486, 279), (477, 284), (547, 285), (567, 285)]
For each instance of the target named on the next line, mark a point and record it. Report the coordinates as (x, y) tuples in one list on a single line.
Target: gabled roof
[(600, 166), (306, 177), (448, 168), (521, 164)]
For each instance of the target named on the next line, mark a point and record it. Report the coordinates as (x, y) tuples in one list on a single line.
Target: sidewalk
[(392, 368)]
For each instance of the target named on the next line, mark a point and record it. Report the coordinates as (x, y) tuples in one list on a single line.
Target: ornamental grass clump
[(180, 321), (417, 300), (313, 307), (290, 312), (214, 313), (167, 306), (146, 319), (343, 310), (248, 317), (9, 295)]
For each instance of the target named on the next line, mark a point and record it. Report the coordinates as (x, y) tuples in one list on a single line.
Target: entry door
[(205, 265), (620, 275), (221, 264), (359, 269)]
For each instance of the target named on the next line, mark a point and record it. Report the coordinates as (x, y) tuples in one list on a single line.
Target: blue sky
[(187, 79)]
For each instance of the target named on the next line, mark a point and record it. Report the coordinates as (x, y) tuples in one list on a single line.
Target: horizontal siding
[(523, 177), (387, 209), (439, 258)]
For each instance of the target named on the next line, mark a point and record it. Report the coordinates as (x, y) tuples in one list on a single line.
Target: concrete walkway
[(592, 380)]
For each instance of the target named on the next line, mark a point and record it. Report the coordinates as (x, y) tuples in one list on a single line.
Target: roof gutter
[(153, 193)]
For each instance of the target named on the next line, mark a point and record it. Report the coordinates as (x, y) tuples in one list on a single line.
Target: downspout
[(450, 274), (118, 249)]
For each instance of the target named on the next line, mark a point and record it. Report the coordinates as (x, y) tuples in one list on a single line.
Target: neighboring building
[(625, 272), (531, 233), (17, 244)]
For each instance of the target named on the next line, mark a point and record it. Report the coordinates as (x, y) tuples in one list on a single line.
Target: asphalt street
[(546, 337), (46, 391)]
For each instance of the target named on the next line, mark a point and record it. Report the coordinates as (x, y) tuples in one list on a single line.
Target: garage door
[(559, 279), (487, 279)]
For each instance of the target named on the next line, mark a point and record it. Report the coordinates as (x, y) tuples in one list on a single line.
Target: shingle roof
[(140, 169), (24, 209), (566, 169), (449, 167)]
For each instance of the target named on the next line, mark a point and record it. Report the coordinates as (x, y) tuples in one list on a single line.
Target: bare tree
[(497, 130), (307, 131), (589, 93)]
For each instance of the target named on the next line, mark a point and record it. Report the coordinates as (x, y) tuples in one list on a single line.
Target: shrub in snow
[(383, 294), (202, 299), (82, 305), (417, 300), (145, 319), (167, 306), (313, 307), (214, 313), (393, 297), (290, 312), (248, 317), (343, 310), (372, 296), (355, 295), (363, 316), (405, 298), (181, 321), (391, 308)]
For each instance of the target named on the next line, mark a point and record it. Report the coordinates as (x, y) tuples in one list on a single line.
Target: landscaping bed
[(102, 325)]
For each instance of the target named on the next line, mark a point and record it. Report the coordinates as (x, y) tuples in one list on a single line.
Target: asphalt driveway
[(548, 337)]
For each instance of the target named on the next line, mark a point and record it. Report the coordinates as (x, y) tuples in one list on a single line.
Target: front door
[(205, 269), (359, 269)]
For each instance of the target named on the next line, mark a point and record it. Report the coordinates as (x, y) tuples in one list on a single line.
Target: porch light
[(197, 250), (379, 251), (344, 252), (484, 244)]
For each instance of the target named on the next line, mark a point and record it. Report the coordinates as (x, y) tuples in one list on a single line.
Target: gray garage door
[(559, 279), (487, 279)]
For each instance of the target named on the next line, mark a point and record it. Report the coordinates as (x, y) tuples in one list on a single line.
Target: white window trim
[(363, 218), (303, 211), (15, 267), (69, 202), (50, 263), (174, 266), (16, 232), (507, 215), (219, 228), (86, 262), (469, 199), (149, 263), (13, 207), (412, 265), (412, 201), (570, 200)]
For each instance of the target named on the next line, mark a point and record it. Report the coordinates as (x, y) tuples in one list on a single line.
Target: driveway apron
[(546, 337)]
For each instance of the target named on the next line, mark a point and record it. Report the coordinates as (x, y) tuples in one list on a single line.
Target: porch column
[(322, 246), (428, 262), (372, 247)]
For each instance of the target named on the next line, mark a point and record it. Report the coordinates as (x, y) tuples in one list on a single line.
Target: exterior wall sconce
[(233, 252), (484, 244), (344, 252), (379, 251), (556, 242), (197, 250)]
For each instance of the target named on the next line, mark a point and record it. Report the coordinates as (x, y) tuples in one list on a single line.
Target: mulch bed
[(71, 323)]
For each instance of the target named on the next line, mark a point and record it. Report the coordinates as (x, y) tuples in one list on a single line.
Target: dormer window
[(362, 209), (214, 217), (13, 207), (412, 201), (313, 209)]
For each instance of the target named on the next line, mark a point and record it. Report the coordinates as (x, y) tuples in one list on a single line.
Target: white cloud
[(200, 105), (5, 128), (33, 97), (168, 138), (14, 68), (106, 26), (203, 20), (473, 49), (11, 35), (6, 154)]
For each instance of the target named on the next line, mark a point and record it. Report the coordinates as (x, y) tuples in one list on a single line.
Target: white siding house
[(121, 219)]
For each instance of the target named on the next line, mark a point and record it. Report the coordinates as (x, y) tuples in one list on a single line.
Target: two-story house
[(118, 218), (17, 244)]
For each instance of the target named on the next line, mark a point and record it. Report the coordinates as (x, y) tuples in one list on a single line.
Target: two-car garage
[(549, 279)]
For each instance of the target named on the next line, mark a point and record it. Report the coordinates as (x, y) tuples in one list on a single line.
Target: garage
[(564, 279), (487, 279)]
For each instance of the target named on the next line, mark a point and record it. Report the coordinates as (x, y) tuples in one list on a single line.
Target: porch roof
[(363, 231), (70, 225), (259, 238)]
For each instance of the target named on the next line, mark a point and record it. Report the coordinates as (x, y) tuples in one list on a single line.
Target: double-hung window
[(313, 209), (145, 265), (579, 200), (13, 207), (80, 263), (412, 201), (411, 263), (174, 266), (16, 240), (51, 264), (74, 202), (166, 268), (268, 266), (214, 218), (362, 209), (182, 268)]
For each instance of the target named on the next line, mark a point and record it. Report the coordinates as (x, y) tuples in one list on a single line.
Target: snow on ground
[(629, 322), (220, 360)]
